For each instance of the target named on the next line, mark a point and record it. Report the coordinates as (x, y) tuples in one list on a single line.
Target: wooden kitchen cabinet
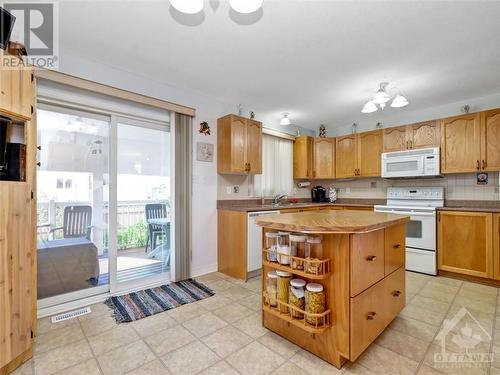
[(496, 246), (461, 144), (490, 140), (395, 248), (358, 155), (345, 156), (239, 145), (465, 243), (303, 157), (395, 139), (420, 135), (324, 158)]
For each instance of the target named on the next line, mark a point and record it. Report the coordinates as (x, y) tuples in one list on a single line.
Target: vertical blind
[(277, 167)]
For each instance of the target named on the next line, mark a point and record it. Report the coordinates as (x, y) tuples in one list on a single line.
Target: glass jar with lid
[(283, 248), (314, 251), (283, 284), (315, 299), (298, 249), (271, 288), (272, 246), (296, 297)]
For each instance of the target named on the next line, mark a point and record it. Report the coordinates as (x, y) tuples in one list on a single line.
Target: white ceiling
[(319, 60)]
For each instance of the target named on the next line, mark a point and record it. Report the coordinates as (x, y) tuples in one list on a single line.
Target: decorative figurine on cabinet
[(322, 131), (204, 128)]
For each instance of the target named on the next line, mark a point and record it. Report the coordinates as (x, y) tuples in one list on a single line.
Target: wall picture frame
[(205, 152)]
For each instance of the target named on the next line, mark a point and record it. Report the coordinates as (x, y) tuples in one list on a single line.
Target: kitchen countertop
[(471, 206), (331, 221)]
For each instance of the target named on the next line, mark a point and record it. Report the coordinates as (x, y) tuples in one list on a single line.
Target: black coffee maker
[(318, 194)]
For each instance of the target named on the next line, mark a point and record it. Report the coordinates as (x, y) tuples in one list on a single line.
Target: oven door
[(409, 166), (420, 230)]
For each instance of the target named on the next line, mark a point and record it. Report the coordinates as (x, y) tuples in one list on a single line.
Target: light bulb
[(187, 6), (369, 108), (399, 101), (285, 121), (245, 6)]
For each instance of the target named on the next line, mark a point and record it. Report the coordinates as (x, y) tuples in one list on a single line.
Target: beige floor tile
[(415, 328), (478, 296), (152, 368), (417, 277), (232, 312), (385, 361), (403, 344), (204, 324), (449, 368), (214, 302), (98, 325), (494, 371), (254, 302), (63, 357), (252, 326), (480, 288), (226, 341), (25, 369), (255, 359), (125, 358), (312, 364), (422, 314), (356, 369), (496, 357), (170, 339), (99, 309), (219, 286), (288, 368), (427, 370), (440, 293), (278, 344), (220, 368), (190, 359), (45, 324), (476, 305), (485, 320), (124, 334), (153, 324), (59, 337), (236, 293), (430, 304), (446, 281), (254, 284), (208, 277), (186, 312), (89, 367)]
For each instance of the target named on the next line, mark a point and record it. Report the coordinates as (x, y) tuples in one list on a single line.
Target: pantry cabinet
[(324, 158), (420, 135), (303, 157), (465, 243), (239, 145), (358, 155)]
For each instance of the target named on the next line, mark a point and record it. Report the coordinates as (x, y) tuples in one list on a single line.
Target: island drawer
[(367, 260), (395, 247), (374, 309)]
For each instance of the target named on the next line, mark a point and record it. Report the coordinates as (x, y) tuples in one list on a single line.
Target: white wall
[(204, 257)]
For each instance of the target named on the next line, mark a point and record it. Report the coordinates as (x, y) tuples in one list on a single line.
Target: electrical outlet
[(236, 189), (348, 190), (373, 184), (229, 190)]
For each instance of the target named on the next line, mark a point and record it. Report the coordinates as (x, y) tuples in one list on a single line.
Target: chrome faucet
[(277, 199)]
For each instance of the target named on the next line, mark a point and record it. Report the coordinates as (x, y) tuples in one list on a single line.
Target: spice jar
[(298, 249), (296, 297), (272, 246), (314, 251), (283, 284), (271, 288), (315, 303), (283, 248)]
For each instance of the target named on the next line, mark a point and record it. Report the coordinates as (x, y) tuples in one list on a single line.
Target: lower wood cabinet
[(395, 248), (496, 246), (367, 260), (465, 243)]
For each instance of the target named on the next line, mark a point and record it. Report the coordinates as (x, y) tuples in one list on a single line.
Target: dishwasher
[(254, 240)]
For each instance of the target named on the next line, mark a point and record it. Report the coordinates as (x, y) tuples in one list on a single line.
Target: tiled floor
[(223, 335)]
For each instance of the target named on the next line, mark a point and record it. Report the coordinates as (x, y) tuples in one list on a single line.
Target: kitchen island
[(353, 265)]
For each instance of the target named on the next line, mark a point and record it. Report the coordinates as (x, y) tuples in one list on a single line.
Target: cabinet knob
[(478, 165), (371, 315), (39, 164), (484, 165), (396, 293), (39, 147), (371, 258), (396, 246)]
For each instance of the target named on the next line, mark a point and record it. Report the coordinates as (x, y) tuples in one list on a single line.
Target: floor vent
[(71, 315)]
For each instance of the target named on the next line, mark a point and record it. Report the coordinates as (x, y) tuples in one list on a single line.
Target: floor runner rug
[(138, 305)]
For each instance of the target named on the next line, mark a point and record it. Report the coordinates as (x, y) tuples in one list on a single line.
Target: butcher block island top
[(331, 221), (357, 257)]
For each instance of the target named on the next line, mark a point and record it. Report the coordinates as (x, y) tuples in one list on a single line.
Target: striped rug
[(138, 305)]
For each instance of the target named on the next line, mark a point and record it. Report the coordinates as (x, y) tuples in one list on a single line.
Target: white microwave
[(423, 162)]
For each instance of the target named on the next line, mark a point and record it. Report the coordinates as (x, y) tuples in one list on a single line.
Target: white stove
[(420, 204)]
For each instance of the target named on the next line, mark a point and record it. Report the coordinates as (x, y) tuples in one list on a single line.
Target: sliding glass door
[(104, 204)]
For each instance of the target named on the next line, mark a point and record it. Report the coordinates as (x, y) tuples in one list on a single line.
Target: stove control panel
[(420, 193)]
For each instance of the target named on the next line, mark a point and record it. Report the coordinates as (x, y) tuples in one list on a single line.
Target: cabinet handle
[(371, 258), (484, 165), (396, 246), (249, 167), (478, 165), (371, 315), (396, 293), (407, 145), (411, 144)]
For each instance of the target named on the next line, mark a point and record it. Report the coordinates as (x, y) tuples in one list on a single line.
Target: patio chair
[(154, 211), (77, 222)]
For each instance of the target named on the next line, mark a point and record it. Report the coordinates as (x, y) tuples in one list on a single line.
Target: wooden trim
[(277, 133), (17, 362), (100, 88)]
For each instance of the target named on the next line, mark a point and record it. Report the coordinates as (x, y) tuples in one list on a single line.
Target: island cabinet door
[(465, 243), (395, 248), (367, 260), (394, 293)]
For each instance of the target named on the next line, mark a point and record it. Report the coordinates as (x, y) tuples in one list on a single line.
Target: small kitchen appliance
[(420, 204), (332, 194), (423, 162), (318, 194)]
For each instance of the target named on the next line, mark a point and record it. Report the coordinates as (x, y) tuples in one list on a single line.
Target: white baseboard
[(203, 270)]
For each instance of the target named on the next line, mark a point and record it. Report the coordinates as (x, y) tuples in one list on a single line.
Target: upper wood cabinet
[(303, 157), (421, 135), (16, 87), (461, 143), (490, 140), (358, 155), (465, 243), (324, 158), (496, 246), (239, 145)]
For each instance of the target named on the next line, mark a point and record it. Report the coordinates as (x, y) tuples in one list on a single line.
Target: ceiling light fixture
[(246, 6), (187, 6), (380, 99), (285, 121)]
